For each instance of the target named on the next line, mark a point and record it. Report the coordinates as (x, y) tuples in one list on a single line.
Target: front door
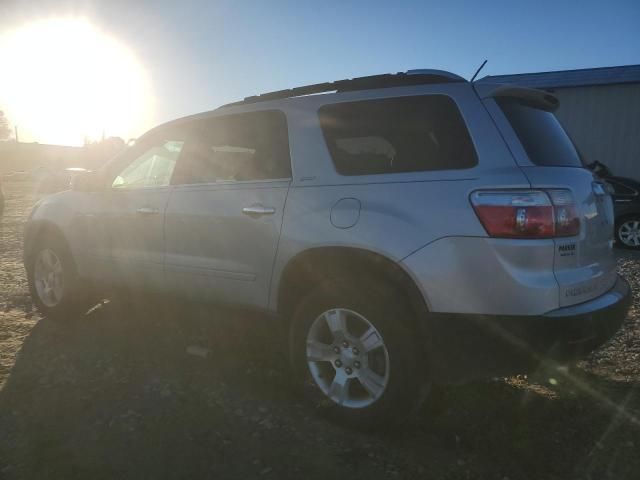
[(128, 225)]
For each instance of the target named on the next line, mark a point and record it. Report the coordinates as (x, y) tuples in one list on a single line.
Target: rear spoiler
[(528, 96)]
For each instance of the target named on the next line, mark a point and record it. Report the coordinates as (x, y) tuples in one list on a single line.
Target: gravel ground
[(119, 397)]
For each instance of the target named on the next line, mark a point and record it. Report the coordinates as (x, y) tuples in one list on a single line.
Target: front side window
[(235, 148), (395, 135), (152, 168)]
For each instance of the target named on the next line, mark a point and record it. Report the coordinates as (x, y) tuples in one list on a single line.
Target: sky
[(199, 54)]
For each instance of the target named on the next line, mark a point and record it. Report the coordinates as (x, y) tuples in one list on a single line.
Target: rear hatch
[(584, 264)]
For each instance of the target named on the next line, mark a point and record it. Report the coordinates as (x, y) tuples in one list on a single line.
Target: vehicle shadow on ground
[(117, 396)]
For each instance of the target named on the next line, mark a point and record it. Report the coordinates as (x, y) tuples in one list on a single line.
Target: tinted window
[(408, 134), (541, 135), (242, 147)]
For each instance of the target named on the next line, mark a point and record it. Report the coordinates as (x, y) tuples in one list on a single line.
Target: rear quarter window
[(541, 134), (396, 135)]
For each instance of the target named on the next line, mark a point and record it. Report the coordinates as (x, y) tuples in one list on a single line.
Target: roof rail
[(386, 80)]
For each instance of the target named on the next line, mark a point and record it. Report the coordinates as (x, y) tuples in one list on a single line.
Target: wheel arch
[(627, 215), (35, 230), (310, 267)]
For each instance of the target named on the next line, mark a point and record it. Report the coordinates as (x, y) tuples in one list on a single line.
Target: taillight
[(526, 213), (566, 215)]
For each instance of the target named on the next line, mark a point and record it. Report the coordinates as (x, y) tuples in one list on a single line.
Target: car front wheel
[(53, 281)]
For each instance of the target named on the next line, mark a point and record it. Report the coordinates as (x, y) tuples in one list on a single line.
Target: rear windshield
[(541, 135), (394, 135)]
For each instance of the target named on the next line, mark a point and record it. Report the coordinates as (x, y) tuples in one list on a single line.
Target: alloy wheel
[(629, 233), (48, 277), (347, 358)]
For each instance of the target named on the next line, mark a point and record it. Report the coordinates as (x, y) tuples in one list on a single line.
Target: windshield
[(541, 135)]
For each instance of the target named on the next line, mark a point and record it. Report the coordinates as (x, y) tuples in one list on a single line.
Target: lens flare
[(63, 81)]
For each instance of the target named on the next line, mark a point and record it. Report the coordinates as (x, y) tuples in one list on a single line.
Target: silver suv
[(409, 229)]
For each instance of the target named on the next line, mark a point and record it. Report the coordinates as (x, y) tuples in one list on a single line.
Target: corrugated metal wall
[(604, 121)]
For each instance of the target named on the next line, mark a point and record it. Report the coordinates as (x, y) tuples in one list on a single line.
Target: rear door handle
[(147, 211), (258, 210)]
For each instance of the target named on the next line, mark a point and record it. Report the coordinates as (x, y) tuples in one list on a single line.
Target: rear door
[(225, 212), (584, 264)]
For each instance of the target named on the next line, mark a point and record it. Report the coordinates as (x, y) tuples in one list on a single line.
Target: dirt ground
[(118, 396)]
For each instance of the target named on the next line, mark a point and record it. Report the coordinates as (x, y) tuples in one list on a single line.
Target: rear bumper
[(464, 347)]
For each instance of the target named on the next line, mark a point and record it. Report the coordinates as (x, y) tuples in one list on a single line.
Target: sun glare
[(63, 80)]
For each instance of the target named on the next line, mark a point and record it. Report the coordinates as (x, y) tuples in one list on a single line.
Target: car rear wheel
[(53, 281), (347, 358), (628, 232), (355, 355)]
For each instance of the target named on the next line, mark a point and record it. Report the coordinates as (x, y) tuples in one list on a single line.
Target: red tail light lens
[(526, 214), (567, 220), (514, 214)]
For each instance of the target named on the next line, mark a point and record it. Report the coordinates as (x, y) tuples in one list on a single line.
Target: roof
[(385, 80), (571, 78)]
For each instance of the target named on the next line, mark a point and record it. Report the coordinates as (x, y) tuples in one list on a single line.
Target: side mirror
[(88, 182)]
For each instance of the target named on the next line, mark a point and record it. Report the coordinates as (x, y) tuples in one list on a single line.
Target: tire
[(628, 232), (51, 268), (394, 389)]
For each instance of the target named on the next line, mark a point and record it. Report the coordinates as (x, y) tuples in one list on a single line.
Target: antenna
[(478, 71)]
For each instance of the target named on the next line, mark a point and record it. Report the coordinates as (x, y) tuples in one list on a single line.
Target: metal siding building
[(599, 107)]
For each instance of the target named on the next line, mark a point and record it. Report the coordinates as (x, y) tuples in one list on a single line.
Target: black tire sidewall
[(388, 311)]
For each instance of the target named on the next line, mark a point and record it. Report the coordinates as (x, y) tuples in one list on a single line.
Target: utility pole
[(17, 136)]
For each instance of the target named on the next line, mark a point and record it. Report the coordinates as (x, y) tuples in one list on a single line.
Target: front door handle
[(258, 210), (147, 211)]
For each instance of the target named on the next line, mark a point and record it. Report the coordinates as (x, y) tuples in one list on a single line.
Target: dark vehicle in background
[(53, 181), (50, 180), (626, 205)]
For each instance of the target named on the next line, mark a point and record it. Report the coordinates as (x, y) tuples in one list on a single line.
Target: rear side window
[(541, 135), (242, 147), (405, 134)]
